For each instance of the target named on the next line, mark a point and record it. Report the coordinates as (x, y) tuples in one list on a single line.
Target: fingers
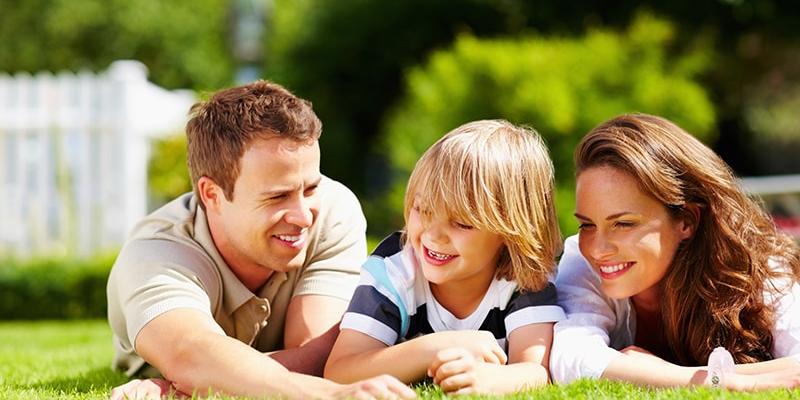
[(445, 356), (461, 383), (498, 356), (142, 389), (451, 362), (382, 387), (452, 368)]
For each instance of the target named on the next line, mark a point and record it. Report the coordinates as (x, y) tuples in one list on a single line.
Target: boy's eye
[(462, 226)]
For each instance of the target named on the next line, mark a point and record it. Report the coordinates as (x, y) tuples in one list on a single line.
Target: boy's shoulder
[(389, 246)]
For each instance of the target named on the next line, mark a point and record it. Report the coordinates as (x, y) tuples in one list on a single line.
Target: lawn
[(71, 359)]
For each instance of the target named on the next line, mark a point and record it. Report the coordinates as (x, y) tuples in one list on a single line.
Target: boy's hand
[(482, 345), (457, 371)]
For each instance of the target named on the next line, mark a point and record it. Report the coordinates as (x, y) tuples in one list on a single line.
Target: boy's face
[(451, 255), (266, 226)]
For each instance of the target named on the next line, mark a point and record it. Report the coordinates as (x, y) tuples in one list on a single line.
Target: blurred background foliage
[(388, 77), (561, 87), (182, 42)]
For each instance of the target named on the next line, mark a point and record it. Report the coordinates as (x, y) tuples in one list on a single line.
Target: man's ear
[(690, 218), (210, 193)]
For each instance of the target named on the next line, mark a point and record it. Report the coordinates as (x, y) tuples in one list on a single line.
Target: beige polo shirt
[(170, 262)]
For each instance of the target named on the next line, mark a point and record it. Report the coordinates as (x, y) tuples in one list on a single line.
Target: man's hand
[(145, 389), (379, 387)]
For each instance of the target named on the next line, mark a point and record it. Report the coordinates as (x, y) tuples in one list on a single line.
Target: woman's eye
[(624, 224), (585, 225)]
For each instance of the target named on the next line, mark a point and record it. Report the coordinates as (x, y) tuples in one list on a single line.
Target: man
[(263, 256)]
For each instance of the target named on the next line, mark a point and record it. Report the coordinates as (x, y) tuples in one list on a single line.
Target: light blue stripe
[(377, 268)]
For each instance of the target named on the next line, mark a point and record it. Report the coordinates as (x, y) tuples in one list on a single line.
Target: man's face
[(266, 226)]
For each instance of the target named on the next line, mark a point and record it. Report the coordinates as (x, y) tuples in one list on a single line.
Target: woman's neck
[(648, 301)]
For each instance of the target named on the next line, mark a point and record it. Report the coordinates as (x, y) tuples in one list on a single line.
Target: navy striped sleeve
[(372, 313), (389, 246), (529, 307)]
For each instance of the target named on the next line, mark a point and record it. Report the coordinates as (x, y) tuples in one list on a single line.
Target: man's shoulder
[(167, 236), (175, 218), (336, 194)]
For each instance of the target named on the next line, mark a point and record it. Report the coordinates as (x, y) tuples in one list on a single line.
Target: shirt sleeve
[(371, 310), (151, 277), (786, 331), (333, 268), (581, 341), (533, 308)]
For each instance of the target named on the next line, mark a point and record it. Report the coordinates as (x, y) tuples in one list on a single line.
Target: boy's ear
[(690, 218), (210, 193)]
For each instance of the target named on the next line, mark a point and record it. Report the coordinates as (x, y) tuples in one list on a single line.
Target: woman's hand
[(788, 378)]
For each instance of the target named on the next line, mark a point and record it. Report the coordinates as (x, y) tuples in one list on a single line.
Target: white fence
[(73, 156), (781, 197)]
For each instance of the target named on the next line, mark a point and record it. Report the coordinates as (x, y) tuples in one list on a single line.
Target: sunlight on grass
[(71, 360)]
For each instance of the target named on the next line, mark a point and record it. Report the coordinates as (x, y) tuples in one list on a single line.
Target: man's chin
[(289, 263)]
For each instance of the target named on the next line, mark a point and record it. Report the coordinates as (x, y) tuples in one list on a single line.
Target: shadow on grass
[(98, 379)]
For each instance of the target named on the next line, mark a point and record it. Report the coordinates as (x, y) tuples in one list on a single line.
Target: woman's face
[(628, 237)]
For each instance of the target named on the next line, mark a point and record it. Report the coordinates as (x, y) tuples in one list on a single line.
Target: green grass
[(71, 360)]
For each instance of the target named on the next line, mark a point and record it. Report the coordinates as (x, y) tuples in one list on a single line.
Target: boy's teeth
[(439, 256)]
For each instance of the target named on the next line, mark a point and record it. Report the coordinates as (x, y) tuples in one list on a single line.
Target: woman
[(672, 260)]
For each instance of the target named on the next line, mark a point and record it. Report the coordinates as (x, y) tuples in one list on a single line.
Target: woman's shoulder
[(573, 267)]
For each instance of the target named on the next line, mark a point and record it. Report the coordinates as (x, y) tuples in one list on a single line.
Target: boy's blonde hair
[(498, 178)]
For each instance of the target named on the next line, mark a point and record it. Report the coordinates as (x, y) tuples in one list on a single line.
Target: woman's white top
[(597, 326)]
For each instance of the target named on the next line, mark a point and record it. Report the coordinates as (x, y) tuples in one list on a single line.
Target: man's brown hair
[(222, 127)]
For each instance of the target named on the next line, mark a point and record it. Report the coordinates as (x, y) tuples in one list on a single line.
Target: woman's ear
[(690, 218)]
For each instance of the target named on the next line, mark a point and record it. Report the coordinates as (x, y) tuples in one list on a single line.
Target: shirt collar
[(234, 292)]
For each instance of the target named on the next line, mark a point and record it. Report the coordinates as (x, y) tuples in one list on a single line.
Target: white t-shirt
[(597, 326)]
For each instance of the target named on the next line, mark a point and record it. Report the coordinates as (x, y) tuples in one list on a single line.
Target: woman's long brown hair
[(714, 289)]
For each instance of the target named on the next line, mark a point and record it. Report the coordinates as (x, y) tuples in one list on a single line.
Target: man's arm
[(196, 359), (182, 345), (312, 325)]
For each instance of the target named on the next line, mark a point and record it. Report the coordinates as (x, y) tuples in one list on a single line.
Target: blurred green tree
[(182, 42), (167, 171), (350, 56), (561, 87)]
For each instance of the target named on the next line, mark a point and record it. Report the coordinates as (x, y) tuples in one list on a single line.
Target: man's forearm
[(310, 358), (233, 368)]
